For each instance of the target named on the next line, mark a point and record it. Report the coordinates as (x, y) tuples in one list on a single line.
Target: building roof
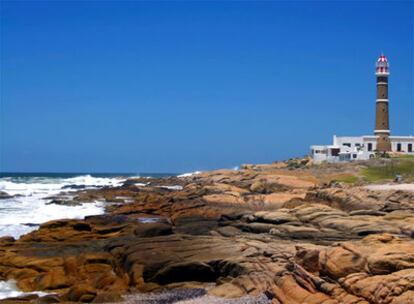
[(382, 58)]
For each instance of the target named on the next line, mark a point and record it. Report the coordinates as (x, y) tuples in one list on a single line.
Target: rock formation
[(269, 233)]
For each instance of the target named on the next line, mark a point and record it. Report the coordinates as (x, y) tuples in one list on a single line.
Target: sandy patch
[(403, 187)]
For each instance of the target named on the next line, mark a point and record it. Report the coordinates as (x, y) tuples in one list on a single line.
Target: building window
[(399, 147), (369, 146), (410, 147), (335, 152), (346, 145), (354, 156)]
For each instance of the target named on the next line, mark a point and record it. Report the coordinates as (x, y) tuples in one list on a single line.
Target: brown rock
[(227, 290), (81, 293)]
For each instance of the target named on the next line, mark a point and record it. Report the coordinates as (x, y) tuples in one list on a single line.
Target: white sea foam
[(176, 187), (89, 180), (189, 174), (8, 289), (22, 213), (147, 220)]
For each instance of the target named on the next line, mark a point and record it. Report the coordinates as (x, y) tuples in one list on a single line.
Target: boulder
[(5, 195)]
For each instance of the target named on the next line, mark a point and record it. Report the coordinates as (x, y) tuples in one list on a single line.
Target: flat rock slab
[(387, 187)]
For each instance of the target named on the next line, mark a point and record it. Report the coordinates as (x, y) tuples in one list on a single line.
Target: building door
[(410, 148), (369, 146), (335, 151), (399, 147)]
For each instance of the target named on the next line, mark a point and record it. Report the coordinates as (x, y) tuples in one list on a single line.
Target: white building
[(348, 148)]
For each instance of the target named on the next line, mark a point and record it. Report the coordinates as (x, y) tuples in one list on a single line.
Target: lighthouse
[(354, 148), (382, 126)]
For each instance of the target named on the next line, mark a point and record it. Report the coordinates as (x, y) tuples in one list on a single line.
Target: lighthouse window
[(398, 147), (410, 147), (369, 146)]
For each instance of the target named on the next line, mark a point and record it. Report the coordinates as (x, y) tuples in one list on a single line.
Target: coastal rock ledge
[(262, 234)]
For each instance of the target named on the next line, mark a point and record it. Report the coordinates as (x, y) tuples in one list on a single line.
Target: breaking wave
[(26, 207)]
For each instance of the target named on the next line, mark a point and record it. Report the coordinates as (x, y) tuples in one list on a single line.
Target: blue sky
[(105, 86)]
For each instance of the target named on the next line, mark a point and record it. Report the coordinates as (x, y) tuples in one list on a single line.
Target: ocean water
[(27, 208), (31, 192)]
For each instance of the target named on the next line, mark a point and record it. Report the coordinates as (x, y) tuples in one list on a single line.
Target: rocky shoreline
[(276, 233)]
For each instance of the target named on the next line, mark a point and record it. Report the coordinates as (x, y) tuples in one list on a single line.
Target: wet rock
[(195, 225), (153, 229), (5, 195), (78, 187), (6, 240), (63, 202), (49, 299), (22, 299)]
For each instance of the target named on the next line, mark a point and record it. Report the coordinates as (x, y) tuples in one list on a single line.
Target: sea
[(29, 203), (31, 194)]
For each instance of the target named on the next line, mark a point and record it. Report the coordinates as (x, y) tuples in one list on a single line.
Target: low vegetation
[(345, 178), (389, 169)]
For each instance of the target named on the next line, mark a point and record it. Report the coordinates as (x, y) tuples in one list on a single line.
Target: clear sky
[(104, 86)]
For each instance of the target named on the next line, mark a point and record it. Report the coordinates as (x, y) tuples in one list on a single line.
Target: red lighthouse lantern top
[(382, 66)]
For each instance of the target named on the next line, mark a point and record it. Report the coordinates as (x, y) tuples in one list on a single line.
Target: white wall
[(319, 153), (355, 143), (404, 141), (358, 145)]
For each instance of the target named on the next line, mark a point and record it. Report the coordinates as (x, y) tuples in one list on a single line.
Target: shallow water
[(8, 289)]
